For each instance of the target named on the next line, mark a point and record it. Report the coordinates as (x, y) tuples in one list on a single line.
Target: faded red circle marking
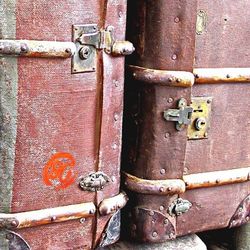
[(59, 171)]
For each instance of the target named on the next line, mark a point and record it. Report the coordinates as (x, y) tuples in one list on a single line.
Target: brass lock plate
[(200, 120), (84, 60)]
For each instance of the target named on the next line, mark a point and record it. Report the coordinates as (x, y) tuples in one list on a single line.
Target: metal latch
[(94, 181), (89, 39), (179, 207), (182, 115)]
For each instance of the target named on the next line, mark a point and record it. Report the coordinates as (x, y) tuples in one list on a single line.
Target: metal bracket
[(94, 181), (200, 120), (179, 207), (182, 115), (89, 39)]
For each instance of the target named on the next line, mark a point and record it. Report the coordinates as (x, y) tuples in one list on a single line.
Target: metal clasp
[(181, 116), (88, 39)]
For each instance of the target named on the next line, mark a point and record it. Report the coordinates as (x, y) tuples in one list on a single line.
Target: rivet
[(177, 20), (161, 208), (155, 234), (113, 178), (170, 79), (166, 221), (120, 14), (23, 48), (174, 56), (114, 146), (208, 101), (68, 50), (163, 171), (84, 52), (228, 76), (53, 218), (133, 227), (217, 181), (167, 135), (178, 80), (116, 117), (14, 223), (171, 235), (151, 213), (82, 220), (92, 211), (169, 189), (116, 83), (170, 100), (240, 209), (196, 76), (161, 189), (206, 134), (247, 218)]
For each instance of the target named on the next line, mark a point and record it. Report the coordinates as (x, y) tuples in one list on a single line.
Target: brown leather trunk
[(58, 127), (192, 37)]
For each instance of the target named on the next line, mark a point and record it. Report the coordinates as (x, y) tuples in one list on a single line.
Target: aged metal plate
[(84, 60), (200, 121), (201, 23), (111, 233), (242, 214), (151, 226)]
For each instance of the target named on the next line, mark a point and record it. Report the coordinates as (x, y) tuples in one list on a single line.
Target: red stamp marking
[(59, 171)]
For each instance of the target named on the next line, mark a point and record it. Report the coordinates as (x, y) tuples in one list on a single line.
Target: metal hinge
[(182, 115), (89, 39)]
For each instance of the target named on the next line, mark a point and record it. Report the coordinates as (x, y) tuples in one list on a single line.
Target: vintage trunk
[(61, 78), (186, 132)]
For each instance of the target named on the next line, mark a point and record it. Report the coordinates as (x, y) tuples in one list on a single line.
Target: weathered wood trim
[(162, 77), (186, 79), (217, 178), (221, 75), (112, 205), (32, 48), (159, 187), (47, 216), (192, 181)]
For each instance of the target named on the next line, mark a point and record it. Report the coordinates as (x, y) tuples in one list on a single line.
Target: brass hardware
[(200, 120), (113, 204), (93, 182), (201, 23), (182, 115), (179, 207), (89, 39), (47, 216)]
